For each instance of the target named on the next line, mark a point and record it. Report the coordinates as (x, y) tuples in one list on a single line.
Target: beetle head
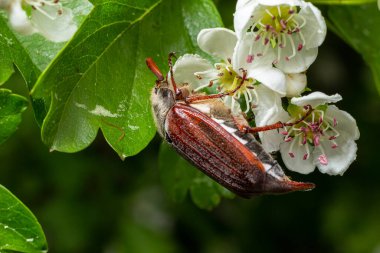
[(162, 99)]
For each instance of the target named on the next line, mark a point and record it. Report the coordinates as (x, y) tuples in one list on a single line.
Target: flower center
[(311, 132), (278, 19), (276, 27), (229, 81)]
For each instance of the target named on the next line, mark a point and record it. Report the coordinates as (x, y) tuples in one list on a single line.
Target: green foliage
[(11, 107), (178, 177), (19, 229), (12, 53), (106, 83), (359, 27), (344, 219)]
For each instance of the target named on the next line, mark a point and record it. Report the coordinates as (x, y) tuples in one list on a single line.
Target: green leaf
[(178, 177), (359, 27), (100, 79), (11, 107), (19, 229), (206, 193), (13, 53), (176, 174)]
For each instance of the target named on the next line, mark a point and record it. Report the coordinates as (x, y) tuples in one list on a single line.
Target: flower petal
[(244, 47), (260, 68), (185, 67), (241, 3), (316, 98), (296, 163), (268, 107), (300, 61), (272, 78), (295, 84), (346, 124), (268, 111), (54, 23), (242, 16), (271, 140), (315, 30), (338, 159), (279, 2), (19, 20), (219, 42), (291, 60)]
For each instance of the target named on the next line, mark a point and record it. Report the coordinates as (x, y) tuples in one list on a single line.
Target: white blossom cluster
[(46, 17), (264, 61)]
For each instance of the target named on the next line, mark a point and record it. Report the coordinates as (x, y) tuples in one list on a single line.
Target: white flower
[(288, 32), (18, 18), (268, 111), (48, 18), (325, 138), (295, 84), (230, 72)]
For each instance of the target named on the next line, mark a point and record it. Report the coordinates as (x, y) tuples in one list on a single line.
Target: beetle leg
[(240, 123), (245, 128), (197, 98), (277, 125), (178, 92)]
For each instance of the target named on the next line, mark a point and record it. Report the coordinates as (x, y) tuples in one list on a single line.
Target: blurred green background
[(93, 202)]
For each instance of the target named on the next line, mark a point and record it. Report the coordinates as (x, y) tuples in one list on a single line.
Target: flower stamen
[(293, 49), (269, 13)]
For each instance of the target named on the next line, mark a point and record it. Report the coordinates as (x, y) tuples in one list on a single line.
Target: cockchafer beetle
[(203, 130)]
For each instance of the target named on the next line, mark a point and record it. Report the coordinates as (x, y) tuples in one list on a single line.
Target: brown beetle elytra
[(202, 129)]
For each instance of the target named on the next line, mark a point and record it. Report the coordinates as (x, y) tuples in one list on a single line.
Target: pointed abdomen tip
[(301, 186)]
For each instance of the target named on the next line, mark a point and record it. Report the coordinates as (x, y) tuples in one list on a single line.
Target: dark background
[(91, 201)]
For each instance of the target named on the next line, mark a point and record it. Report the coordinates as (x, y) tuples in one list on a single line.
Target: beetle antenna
[(156, 71), (154, 68)]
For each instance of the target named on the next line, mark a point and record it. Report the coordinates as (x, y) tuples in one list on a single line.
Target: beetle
[(203, 130)]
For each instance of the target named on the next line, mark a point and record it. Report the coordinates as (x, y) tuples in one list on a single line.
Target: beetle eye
[(166, 93)]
